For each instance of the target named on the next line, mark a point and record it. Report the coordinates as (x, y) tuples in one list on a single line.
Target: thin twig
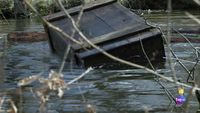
[(20, 100), (4, 17), (183, 60), (193, 17), (2, 99), (168, 39), (141, 44), (72, 36), (182, 65), (118, 59), (82, 95), (79, 77), (186, 104), (197, 2), (13, 107), (51, 25), (64, 58), (169, 95), (193, 70), (186, 40), (104, 52)]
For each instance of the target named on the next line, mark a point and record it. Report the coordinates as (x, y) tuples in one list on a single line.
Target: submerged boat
[(112, 27)]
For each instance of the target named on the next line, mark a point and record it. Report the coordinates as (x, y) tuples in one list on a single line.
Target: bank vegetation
[(17, 8)]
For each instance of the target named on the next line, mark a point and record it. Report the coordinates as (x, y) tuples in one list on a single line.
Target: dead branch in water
[(116, 58), (51, 25), (193, 17), (76, 29)]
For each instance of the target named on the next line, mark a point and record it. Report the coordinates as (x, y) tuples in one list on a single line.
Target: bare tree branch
[(168, 39), (79, 77), (4, 17), (116, 58), (169, 94), (181, 63), (186, 40), (72, 36), (64, 58), (51, 25), (193, 17), (197, 2)]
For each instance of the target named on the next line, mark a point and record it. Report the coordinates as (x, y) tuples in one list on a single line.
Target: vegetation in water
[(46, 7), (160, 4), (6, 7)]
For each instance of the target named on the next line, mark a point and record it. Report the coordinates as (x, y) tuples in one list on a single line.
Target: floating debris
[(53, 74), (29, 80), (13, 108), (90, 108), (1, 101), (60, 92), (27, 36)]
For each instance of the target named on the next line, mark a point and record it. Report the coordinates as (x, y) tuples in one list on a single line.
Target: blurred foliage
[(43, 7), (160, 4), (6, 4), (6, 7), (72, 3), (47, 7)]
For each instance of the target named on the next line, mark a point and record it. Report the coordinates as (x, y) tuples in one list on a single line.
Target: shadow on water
[(111, 91)]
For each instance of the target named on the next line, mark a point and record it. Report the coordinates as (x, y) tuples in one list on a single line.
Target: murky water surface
[(110, 91)]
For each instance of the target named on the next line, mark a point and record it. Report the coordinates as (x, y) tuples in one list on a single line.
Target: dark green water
[(110, 91)]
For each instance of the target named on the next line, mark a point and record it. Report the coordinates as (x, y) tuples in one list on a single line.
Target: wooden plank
[(117, 17), (33, 36), (75, 10), (90, 25), (142, 36), (113, 35)]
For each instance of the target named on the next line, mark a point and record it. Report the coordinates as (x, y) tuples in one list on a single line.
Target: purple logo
[(180, 100)]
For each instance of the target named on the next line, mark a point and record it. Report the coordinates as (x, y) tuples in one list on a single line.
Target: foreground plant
[(55, 83)]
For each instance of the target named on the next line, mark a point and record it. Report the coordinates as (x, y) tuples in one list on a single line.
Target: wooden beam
[(113, 35), (129, 40)]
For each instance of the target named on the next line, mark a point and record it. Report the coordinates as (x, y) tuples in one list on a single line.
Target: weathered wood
[(113, 35), (125, 41), (27, 36), (112, 27), (102, 22), (182, 40)]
